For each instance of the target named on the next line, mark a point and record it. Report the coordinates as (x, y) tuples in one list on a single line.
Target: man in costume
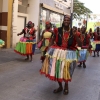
[(66, 40), (26, 45)]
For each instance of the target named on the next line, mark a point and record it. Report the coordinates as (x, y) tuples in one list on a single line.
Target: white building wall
[(32, 15), (23, 8), (14, 22), (5, 6), (33, 12)]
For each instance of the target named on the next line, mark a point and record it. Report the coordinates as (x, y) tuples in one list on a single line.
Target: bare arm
[(41, 36), (52, 39), (90, 44), (77, 37), (92, 35), (78, 40), (21, 32), (34, 33)]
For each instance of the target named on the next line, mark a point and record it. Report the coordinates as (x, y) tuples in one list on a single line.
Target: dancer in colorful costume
[(45, 39), (79, 30), (90, 33), (2, 43), (26, 45), (83, 52), (96, 42), (61, 58)]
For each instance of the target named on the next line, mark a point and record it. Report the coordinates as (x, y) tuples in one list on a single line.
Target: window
[(47, 15), (19, 2), (43, 17), (55, 19), (22, 6)]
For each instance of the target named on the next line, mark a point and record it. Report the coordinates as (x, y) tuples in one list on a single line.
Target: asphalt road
[(20, 80)]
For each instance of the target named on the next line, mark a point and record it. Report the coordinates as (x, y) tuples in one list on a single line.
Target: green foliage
[(79, 10)]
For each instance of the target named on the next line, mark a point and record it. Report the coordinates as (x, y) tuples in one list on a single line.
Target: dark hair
[(90, 30), (33, 24), (84, 28), (63, 24), (79, 29), (49, 23), (70, 40), (29, 24), (76, 28)]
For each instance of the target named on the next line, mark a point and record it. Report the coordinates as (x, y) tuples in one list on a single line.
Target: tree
[(79, 10)]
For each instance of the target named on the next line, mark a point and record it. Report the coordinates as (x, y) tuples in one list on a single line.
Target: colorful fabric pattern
[(2, 43), (95, 45), (83, 54), (45, 44), (25, 48), (59, 64)]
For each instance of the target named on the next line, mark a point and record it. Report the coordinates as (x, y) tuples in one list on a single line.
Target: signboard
[(59, 6)]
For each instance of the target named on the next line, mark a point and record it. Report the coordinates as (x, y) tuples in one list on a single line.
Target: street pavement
[(20, 80)]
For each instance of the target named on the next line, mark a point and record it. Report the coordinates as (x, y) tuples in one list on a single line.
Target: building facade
[(5, 21), (92, 22), (37, 11)]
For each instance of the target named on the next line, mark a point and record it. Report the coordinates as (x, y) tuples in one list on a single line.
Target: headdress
[(29, 24), (48, 22), (67, 16)]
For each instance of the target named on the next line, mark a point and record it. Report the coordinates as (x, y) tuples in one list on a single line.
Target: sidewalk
[(7, 55)]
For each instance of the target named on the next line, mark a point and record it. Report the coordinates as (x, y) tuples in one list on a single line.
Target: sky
[(93, 5)]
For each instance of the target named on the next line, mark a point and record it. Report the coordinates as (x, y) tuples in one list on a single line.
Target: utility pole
[(71, 13), (72, 2)]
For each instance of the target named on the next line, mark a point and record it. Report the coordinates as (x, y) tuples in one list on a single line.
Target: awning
[(53, 9)]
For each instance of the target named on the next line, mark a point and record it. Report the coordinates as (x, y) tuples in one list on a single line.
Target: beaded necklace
[(66, 39)]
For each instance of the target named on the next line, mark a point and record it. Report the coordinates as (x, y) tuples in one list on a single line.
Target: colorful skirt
[(59, 64), (95, 45), (2, 43), (44, 48), (25, 47), (83, 54)]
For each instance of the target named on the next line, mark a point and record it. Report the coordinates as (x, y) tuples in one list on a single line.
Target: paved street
[(20, 80)]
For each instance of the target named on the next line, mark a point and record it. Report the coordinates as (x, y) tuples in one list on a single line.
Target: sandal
[(58, 90), (84, 66), (79, 66), (94, 56), (65, 92)]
